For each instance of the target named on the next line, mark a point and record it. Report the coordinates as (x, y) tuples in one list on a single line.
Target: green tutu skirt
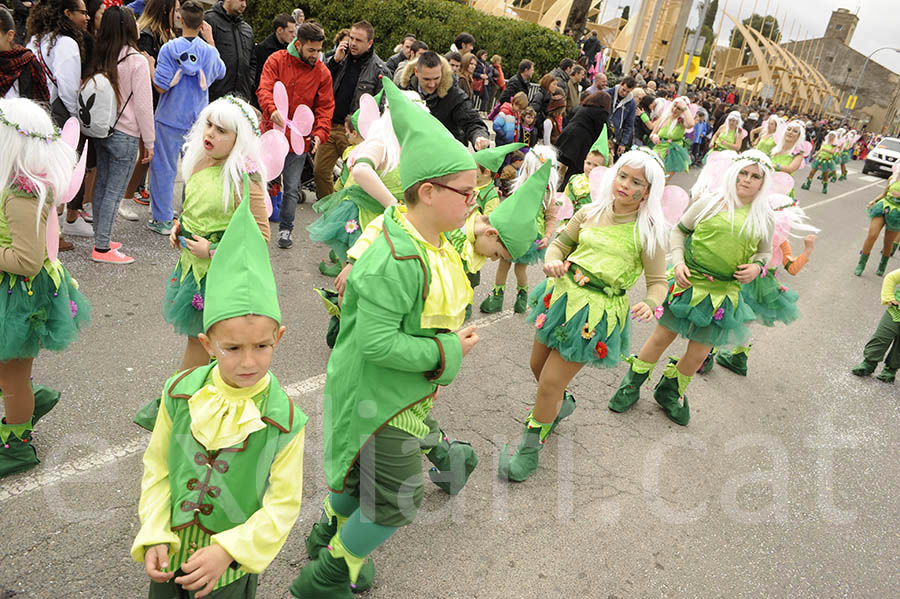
[(771, 301), (826, 166), (345, 214), (701, 323), (533, 255), (890, 214), (47, 318), (182, 305), (570, 338), (675, 157), (845, 157)]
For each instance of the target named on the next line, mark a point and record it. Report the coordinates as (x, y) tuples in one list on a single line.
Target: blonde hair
[(533, 161)]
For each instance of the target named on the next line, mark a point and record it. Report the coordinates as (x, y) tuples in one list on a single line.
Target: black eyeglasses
[(469, 195), (81, 10)]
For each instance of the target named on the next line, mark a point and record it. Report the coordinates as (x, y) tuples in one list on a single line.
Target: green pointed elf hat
[(240, 279), (602, 145), (427, 150), (492, 158), (516, 216)]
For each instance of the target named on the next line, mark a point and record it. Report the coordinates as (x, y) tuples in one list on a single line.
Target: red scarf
[(13, 63)]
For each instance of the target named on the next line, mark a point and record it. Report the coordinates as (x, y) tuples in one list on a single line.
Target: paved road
[(785, 483)]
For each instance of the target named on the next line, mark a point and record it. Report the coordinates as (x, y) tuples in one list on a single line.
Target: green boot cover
[(493, 302), (825, 187), (807, 184), (525, 461), (468, 312), (16, 451), (333, 257), (708, 362), (45, 399), (668, 390), (323, 530), (629, 390), (327, 577), (894, 248), (887, 374), (332, 270), (521, 304), (454, 462), (881, 266), (735, 360), (864, 368), (565, 410), (861, 265)]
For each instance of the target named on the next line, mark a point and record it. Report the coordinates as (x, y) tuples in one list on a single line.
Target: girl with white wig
[(884, 213), (722, 242), (763, 137), (40, 305), (668, 136), (730, 135), (581, 311), (826, 160), (223, 165)]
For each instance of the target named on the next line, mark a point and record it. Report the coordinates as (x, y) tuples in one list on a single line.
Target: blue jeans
[(116, 157), (163, 167), (290, 177)]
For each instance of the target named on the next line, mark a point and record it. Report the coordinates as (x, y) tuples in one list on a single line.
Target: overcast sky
[(879, 21)]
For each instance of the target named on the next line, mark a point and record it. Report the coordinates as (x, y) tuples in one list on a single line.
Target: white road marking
[(838, 197), (57, 474)]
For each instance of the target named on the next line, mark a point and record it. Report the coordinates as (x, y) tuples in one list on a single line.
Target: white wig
[(781, 145), (533, 161), (774, 118), (651, 222), (735, 117), (227, 113), (761, 219), (683, 101), (705, 180), (658, 107), (48, 165), (381, 134)]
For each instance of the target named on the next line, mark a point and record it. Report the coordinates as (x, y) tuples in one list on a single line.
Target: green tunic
[(766, 144), (383, 362)]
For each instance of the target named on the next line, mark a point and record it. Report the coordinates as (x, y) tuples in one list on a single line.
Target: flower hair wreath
[(32, 134), (652, 154), (246, 114)]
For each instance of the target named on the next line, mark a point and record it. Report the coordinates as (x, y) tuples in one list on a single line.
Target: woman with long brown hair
[(466, 73)]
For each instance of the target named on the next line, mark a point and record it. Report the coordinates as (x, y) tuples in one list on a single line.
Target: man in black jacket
[(285, 30), (355, 70), (234, 41), (403, 55), (518, 82), (431, 77)]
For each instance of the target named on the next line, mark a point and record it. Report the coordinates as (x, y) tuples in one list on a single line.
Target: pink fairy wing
[(52, 235), (273, 150), (565, 208), (805, 148), (716, 165), (279, 94), (368, 113), (70, 132), (77, 177), (674, 202), (595, 179), (298, 143), (694, 108), (782, 183), (303, 120)]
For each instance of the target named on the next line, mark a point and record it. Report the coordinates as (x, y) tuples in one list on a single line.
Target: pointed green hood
[(427, 150), (516, 216), (602, 145), (240, 279), (492, 158)]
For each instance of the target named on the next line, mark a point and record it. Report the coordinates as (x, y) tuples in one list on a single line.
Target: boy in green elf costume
[(579, 188), (490, 161), (404, 299), (223, 471)]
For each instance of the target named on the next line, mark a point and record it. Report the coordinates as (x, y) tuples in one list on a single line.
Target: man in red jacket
[(308, 81)]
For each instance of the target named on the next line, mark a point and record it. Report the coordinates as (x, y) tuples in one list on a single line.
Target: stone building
[(878, 106)]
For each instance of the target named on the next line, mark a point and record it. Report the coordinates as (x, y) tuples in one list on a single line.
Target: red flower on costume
[(601, 350), (547, 300)]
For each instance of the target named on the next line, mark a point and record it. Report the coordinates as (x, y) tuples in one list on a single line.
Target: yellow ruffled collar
[(474, 261), (222, 415)]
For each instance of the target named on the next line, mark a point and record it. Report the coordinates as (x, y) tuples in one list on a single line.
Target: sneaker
[(163, 227), (284, 239), (139, 198), (111, 257), (127, 213), (77, 228), (87, 213)]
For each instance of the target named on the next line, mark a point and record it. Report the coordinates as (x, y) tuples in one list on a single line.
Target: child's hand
[(809, 243), (173, 234), (654, 138), (556, 268), (199, 246), (682, 273), (155, 559), (206, 33), (340, 282), (543, 243), (204, 569), (641, 312), (276, 119), (871, 203), (747, 272), (467, 338)]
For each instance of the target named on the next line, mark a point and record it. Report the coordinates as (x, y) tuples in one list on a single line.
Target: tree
[(626, 13), (767, 26), (578, 17), (711, 15)]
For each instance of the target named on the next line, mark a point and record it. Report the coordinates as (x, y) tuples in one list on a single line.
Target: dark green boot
[(332, 270), (864, 368), (468, 311), (629, 390), (669, 390), (735, 360), (493, 302), (825, 187), (525, 461), (881, 266), (568, 406), (521, 304), (887, 374), (861, 265), (894, 248), (333, 257), (807, 184), (45, 399), (454, 462), (708, 362), (320, 536), (327, 577), (16, 451)]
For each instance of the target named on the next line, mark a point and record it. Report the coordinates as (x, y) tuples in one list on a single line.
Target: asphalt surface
[(784, 484)]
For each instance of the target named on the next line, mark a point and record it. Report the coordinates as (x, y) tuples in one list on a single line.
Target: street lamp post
[(863, 70), (703, 8)]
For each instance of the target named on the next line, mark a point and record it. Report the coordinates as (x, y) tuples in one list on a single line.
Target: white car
[(882, 158)]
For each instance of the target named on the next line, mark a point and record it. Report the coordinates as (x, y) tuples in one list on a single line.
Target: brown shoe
[(65, 246)]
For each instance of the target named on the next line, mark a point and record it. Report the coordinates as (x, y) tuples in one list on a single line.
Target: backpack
[(97, 105)]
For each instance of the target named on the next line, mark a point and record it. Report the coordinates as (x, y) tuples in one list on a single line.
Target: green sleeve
[(451, 359)]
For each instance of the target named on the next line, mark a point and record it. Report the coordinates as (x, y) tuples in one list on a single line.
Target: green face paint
[(637, 196)]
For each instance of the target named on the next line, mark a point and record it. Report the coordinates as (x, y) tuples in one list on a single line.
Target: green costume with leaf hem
[(671, 150), (888, 207)]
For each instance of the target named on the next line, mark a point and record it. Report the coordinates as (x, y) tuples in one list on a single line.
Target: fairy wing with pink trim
[(565, 209), (595, 181), (368, 114), (674, 201), (69, 135), (300, 123)]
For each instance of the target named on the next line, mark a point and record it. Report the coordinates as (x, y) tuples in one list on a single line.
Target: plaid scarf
[(12, 63)]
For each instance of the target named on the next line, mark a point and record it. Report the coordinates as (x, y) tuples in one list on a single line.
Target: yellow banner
[(693, 70)]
